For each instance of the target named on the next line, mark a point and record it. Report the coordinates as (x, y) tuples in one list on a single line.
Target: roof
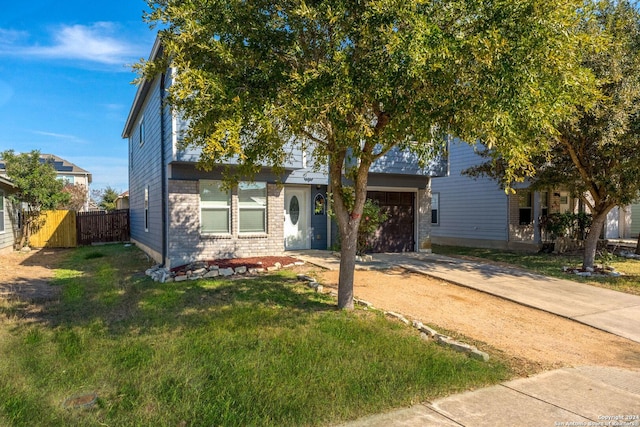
[(62, 166), (141, 94), (6, 182)]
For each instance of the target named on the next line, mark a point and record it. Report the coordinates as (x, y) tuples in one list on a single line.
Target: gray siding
[(6, 232), (145, 171), (470, 209), (404, 162)]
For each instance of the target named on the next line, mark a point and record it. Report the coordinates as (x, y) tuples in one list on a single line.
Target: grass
[(551, 265), (253, 351)]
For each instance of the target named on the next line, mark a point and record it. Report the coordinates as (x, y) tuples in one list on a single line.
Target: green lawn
[(252, 351), (551, 265)]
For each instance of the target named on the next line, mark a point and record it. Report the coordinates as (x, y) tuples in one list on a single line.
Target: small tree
[(38, 188), (106, 198), (594, 153)]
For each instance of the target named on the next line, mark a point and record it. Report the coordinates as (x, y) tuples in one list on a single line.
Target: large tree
[(595, 153), (349, 80), (37, 187)]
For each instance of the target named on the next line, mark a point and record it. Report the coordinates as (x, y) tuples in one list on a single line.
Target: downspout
[(163, 173)]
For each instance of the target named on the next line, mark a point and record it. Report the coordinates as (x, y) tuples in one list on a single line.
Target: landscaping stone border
[(201, 270), (426, 332)]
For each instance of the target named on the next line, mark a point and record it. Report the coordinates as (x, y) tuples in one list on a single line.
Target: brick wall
[(186, 244)]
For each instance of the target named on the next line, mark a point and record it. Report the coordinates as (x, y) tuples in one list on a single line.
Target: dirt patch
[(25, 276), (532, 339)]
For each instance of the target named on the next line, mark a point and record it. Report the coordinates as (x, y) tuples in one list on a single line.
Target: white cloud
[(56, 135), (94, 43)]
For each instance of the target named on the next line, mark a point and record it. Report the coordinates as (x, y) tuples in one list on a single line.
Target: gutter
[(163, 173)]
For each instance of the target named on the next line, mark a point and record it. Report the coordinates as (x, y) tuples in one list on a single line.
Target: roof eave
[(141, 93)]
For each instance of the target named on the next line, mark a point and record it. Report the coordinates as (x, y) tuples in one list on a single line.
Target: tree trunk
[(638, 246), (591, 242), (348, 240)]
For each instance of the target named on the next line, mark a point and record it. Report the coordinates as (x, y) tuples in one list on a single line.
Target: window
[(525, 216), (1, 211), (67, 179), (435, 208), (252, 207), (215, 208), (141, 135), (146, 208)]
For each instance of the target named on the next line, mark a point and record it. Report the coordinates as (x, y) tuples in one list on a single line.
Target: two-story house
[(180, 213), (65, 171), (478, 213)]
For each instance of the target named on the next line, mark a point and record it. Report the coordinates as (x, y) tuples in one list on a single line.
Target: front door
[(296, 218)]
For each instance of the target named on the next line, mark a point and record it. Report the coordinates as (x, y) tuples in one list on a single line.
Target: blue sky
[(65, 80)]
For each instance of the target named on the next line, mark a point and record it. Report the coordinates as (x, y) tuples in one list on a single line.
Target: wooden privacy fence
[(102, 227), (68, 229), (57, 230)]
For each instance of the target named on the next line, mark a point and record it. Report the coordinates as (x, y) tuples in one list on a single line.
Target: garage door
[(396, 234)]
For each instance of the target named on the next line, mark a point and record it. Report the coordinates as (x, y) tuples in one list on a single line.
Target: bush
[(566, 225)]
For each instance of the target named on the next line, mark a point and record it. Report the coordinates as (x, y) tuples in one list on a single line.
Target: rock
[(589, 269), (479, 355), (200, 271), (226, 271), (255, 270), (278, 265), (298, 263), (213, 267), (273, 268), (181, 278), (400, 317), (241, 270), (583, 273), (320, 288), (211, 273)]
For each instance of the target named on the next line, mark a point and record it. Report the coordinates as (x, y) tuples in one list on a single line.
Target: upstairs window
[(141, 134), (215, 208), (252, 207)]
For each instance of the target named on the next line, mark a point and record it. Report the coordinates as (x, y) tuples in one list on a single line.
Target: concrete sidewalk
[(583, 396), (586, 396), (610, 311)]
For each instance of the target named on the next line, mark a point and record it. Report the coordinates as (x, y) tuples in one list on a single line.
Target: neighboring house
[(623, 222), (478, 213), (9, 226), (180, 214), (66, 171), (122, 202)]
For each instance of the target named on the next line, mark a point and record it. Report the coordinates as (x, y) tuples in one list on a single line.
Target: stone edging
[(200, 270), (426, 332)]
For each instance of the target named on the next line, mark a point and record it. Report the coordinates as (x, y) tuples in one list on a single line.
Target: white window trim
[(263, 208), (206, 205)]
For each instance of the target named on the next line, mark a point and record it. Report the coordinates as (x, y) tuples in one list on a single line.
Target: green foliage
[(567, 224), (594, 152), (37, 187), (107, 198)]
